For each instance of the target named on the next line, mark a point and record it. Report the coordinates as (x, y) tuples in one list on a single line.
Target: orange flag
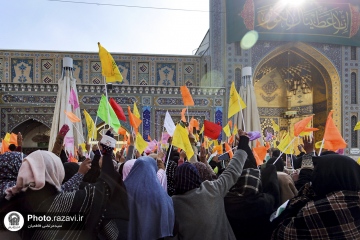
[(230, 124), (122, 131), (72, 117), (13, 139), (260, 153), (229, 150), (134, 121), (332, 137), (218, 148), (186, 96), (301, 125), (149, 138), (4, 147), (231, 139), (183, 118)]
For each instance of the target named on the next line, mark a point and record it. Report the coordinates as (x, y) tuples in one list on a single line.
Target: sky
[(56, 25)]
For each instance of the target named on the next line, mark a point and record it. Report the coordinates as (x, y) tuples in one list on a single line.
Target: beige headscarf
[(36, 169)]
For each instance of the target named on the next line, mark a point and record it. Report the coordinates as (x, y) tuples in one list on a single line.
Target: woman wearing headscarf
[(329, 207), (248, 208), (151, 209), (103, 205), (199, 206)]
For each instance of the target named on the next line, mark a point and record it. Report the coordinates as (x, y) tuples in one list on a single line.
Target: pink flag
[(164, 137), (73, 99), (69, 141)]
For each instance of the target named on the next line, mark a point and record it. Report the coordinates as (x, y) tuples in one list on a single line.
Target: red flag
[(186, 95), (332, 137), (212, 130), (301, 125), (117, 109)]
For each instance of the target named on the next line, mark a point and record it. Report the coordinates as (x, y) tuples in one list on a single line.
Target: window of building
[(237, 49), (354, 134), (353, 53), (353, 88)]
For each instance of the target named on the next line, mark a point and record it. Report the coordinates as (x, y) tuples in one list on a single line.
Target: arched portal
[(297, 79)]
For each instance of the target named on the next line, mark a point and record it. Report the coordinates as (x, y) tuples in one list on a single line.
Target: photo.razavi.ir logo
[(14, 221)]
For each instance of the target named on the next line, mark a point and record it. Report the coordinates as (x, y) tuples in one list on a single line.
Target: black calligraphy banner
[(325, 21)]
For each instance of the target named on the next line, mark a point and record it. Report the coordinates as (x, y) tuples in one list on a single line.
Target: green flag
[(107, 114)]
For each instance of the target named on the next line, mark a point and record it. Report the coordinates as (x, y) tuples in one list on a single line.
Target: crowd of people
[(164, 195)]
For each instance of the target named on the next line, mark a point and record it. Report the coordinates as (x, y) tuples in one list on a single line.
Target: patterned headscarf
[(249, 183), (203, 171), (186, 178), (10, 163)]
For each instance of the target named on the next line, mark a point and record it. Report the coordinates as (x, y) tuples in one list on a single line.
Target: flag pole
[(107, 102), (322, 144), (167, 161), (284, 150)]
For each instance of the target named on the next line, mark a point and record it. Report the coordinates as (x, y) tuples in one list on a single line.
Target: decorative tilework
[(47, 70), (218, 118), (96, 100), (22, 70), (78, 70), (270, 87), (95, 66), (146, 101), (124, 68), (143, 67), (28, 99), (271, 112), (47, 65), (166, 74), (143, 79), (178, 101), (146, 124), (96, 78)]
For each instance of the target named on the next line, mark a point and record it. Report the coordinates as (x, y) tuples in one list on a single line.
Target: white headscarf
[(37, 168)]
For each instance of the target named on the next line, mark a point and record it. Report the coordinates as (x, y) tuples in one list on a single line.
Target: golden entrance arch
[(297, 77)]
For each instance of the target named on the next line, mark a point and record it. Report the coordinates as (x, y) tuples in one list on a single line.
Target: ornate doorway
[(295, 81)]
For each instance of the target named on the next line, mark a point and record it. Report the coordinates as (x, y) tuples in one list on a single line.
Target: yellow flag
[(7, 137), (357, 126), (140, 143), (275, 126), (109, 68), (235, 102), (91, 128), (202, 129), (227, 130), (83, 146), (235, 130), (181, 140), (136, 111), (318, 144), (284, 144), (358, 161)]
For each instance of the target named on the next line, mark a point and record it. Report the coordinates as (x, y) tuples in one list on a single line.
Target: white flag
[(169, 124)]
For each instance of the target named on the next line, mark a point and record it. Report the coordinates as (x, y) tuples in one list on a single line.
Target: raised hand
[(308, 144)]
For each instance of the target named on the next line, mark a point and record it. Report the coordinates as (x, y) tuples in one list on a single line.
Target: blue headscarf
[(151, 209)]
